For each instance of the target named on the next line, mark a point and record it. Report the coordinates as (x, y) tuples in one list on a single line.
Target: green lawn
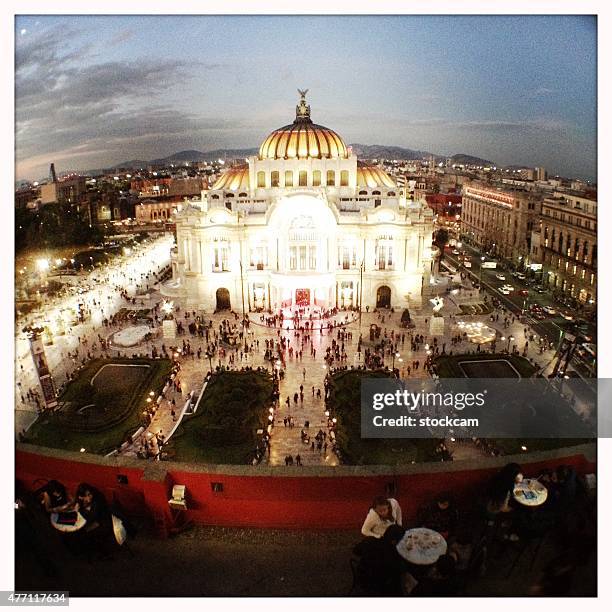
[(451, 366), (345, 405), (223, 430), (119, 396)]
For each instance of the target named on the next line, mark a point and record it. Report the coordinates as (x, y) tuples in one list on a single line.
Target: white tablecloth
[(422, 546), (530, 492), (80, 523)]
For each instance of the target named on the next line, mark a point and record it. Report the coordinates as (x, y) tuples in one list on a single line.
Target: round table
[(422, 546), (79, 524), (530, 492)]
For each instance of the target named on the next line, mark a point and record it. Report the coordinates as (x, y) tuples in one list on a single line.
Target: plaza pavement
[(284, 440)]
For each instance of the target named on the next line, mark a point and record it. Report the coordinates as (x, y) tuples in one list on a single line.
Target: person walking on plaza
[(298, 459)]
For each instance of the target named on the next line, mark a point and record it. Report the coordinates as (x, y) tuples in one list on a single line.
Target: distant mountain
[(187, 156), (470, 160), (361, 150), (386, 152)]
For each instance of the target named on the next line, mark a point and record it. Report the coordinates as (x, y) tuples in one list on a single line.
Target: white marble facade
[(302, 223)]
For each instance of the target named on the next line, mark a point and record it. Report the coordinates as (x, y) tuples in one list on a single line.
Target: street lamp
[(361, 266), (481, 262)]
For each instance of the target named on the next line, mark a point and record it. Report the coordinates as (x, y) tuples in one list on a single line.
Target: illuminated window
[(274, 178), (331, 178), (303, 178), (316, 178), (288, 178), (312, 257), (344, 178), (261, 179)]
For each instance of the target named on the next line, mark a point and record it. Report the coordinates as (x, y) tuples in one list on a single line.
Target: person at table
[(55, 498), (97, 535), (441, 515), (501, 489), (384, 511), (441, 581), (380, 566)]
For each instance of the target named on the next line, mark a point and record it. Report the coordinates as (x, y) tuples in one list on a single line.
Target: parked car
[(549, 310), (520, 276), (500, 276)]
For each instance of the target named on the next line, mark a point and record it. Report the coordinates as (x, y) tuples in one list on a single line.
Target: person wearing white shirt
[(383, 512)]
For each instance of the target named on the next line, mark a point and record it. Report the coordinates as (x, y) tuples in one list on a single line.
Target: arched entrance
[(383, 297), (223, 299)]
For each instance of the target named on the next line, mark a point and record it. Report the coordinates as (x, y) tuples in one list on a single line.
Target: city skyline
[(94, 91)]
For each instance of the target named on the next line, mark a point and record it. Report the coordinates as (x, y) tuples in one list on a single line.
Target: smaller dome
[(373, 176), (233, 179)]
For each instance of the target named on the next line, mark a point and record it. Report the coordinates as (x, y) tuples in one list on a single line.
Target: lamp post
[(481, 262), (360, 289)]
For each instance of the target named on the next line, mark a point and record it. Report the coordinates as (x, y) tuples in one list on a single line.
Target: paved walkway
[(309, 371)]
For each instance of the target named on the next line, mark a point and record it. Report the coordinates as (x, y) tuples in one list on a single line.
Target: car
[(520, 276), (567, 316), (549, 310), (500, 276), (504, 291), (456, 252), (540, 289), (523, 292)]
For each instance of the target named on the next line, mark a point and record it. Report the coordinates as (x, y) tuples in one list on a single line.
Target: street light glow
[(42, 264)]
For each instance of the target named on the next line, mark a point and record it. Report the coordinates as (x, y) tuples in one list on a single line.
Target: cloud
[(542, 91), (67, 105), (121, 37)]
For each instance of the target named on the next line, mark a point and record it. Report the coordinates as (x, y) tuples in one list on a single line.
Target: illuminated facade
[(303, 222), (567, 245), (500, 220)]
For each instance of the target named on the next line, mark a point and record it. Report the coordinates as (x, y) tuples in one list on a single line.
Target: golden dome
[(373, 176), (234, 178), (303, 139)]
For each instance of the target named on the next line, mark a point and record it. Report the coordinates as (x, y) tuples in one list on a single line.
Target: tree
[(441, 240)]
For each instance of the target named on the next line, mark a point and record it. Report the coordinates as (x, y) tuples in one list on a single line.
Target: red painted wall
[(335, 502)]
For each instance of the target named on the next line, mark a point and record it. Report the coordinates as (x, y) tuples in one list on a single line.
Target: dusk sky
[(94, 91)]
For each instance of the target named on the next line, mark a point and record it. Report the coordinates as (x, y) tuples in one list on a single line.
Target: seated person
[(442, 580), (92, 506), (461, 550), (380, 566), (54, 497), (501, 488), (97, 532), (441, 516), (564, 488), (383, 512)]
